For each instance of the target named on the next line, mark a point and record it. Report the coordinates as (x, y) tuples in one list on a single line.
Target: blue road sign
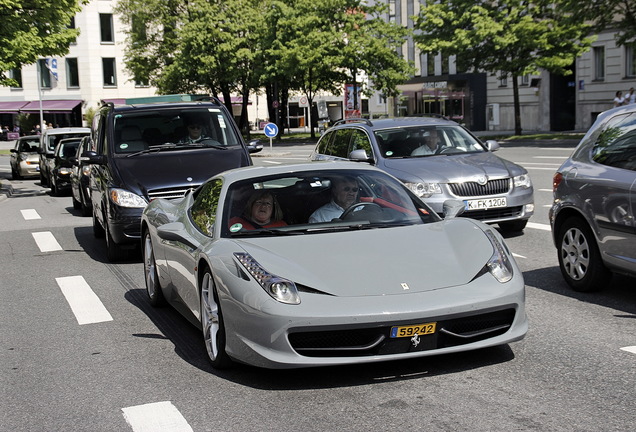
[(271, 130)]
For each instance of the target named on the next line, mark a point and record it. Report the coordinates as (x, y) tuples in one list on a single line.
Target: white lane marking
[(272, 162), (85, 304), (156, 417), (538, 163), (539, 226), (518, 256), (549, 157), (30, 214), (46, 242), (545, 190), (631, 349)]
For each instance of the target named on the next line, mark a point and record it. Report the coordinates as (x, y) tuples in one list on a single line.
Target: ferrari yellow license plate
[(412, 330)]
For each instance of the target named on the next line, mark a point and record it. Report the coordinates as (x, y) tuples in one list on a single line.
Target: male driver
[(431, 145), (344, 192)]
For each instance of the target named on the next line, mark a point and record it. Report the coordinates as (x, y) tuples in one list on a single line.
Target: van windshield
[(179, 128)]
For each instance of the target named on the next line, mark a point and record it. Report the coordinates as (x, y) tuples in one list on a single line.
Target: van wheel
[(98, 230), (43, 181), (114, 252)]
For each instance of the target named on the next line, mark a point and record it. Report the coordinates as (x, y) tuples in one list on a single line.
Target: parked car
[(593, 216), (48, 140), (142, 152), (493, 189), (60, 165), (80, 177), (388, 279), (24, 159)]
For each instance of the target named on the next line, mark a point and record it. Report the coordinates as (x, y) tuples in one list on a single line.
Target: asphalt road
[(128, 367)]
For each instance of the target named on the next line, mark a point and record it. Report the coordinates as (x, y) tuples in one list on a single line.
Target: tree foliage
[(240, 46), (32, 29), (619, 15), (507, 37)]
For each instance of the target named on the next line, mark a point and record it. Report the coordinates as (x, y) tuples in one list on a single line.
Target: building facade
[(484, 101)]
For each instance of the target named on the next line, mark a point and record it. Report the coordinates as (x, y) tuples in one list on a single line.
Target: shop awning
[(11, 107), (51, 106)]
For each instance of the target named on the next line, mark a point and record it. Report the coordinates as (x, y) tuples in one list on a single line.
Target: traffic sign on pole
[(271, 130)]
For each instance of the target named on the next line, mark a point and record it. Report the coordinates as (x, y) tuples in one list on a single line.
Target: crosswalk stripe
[(30, 214), (156, 417), (46, 242), (631, 349), (84, 303)]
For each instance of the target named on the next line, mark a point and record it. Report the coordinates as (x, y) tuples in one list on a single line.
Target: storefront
[(459, 97)]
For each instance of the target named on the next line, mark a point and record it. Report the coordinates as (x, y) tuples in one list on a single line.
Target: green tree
[(619, 15), (33, 29), (506, 38)]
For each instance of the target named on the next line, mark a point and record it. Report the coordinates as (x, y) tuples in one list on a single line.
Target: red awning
[(51, 106), (11, 107)]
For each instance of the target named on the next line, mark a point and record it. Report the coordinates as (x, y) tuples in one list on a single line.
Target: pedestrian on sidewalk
[(619, 99)]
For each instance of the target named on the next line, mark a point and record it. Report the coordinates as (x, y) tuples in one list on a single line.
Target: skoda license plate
[(485, 204)]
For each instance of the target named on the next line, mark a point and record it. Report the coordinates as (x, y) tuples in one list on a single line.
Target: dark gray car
[(438, 160), (592, 216)]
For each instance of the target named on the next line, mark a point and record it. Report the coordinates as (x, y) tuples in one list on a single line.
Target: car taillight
[(556, 181)]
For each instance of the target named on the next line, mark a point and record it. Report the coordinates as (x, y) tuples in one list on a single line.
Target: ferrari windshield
[(426, 140), (320, 201), (170, 129)]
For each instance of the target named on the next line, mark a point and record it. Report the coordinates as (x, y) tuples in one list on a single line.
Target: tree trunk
[(515, 93)]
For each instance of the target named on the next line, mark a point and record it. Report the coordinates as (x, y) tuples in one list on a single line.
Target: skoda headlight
[(124, 198), (279, 289), (424, 190), (499, 264), (523, 181)]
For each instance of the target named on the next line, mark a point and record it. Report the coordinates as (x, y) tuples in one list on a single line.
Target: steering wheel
[(356, 207), (443, 150)]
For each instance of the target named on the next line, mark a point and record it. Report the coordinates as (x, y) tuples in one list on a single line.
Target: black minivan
[(141, 152)]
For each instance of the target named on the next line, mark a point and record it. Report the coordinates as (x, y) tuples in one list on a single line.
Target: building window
[(524, 80), (430, 64), (599, 63), (45, 74), (445, 62), (16, 74), (392, 11), (72, 73), (108, 69), (630, 62), (503, 79), (106, 28)]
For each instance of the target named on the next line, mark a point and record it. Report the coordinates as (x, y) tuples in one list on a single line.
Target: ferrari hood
[(377, 261)]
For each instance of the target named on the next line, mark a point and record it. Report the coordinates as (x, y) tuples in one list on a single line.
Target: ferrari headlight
[(523, 181), (424, 190), (280, 289), (124, 198), (499, 264)]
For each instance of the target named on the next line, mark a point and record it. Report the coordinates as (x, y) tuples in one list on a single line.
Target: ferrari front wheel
[(212, 323), (155, 295)]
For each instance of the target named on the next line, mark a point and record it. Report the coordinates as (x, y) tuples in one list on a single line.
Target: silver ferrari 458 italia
[(328, 263)]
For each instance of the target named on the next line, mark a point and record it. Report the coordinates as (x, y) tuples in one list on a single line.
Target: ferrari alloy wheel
[(212, 323), (579, 257), (150, 272)]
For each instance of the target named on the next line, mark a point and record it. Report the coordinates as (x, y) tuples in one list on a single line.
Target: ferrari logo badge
[(415, 340)]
